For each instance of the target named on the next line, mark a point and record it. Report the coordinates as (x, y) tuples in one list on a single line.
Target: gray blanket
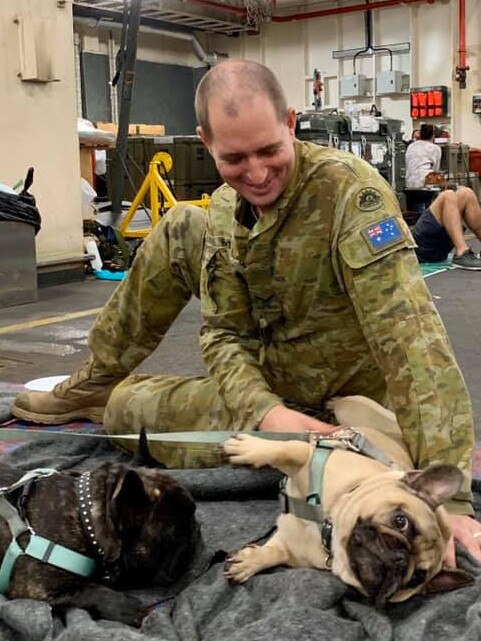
[(235, 507)]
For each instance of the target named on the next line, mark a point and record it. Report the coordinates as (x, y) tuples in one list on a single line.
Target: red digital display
[(427, 102)]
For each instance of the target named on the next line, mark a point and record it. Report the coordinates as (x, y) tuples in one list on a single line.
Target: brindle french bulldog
[(138, 525), (388, 530)]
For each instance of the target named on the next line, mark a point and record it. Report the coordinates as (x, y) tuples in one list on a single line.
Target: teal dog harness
[(310, 507), (37, 547)]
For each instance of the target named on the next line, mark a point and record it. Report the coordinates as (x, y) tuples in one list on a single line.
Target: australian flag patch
[(382, 234)]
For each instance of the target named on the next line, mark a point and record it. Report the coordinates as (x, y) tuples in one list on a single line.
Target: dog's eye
[(400, 521)]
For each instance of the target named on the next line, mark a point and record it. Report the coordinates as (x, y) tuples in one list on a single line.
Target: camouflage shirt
[(323, 296)]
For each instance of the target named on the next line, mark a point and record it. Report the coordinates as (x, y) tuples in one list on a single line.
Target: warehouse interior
[(98, 98)]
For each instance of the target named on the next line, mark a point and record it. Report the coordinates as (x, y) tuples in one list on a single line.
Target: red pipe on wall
[(462, 67), (382, 4), (462, 33)]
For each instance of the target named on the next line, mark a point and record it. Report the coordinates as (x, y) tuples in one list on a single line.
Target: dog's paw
[(242, 565), (332, 402), (104, 603), (132, 612), (361, 411), (243, 449)]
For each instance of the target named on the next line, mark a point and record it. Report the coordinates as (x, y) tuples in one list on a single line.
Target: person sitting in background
[(440, 228), (422, 157)]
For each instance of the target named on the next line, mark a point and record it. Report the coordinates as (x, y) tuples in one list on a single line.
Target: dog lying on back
[(135, 525), (382, 530)]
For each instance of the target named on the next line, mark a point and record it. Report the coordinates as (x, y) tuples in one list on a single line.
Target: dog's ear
[(129, 500), (435, 484), (177, 501), (448, 579), (143, 457)]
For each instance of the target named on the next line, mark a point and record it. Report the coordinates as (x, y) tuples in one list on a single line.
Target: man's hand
[(467, 531), (282, 419)]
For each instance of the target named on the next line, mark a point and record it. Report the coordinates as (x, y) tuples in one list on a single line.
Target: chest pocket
[(257, 271), (224, 298), (208, 279)]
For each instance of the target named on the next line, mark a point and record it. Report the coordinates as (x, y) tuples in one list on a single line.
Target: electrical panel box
[(389, 82), (351, 86)]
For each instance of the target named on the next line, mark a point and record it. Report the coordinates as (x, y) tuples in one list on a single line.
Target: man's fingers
[(472, 545), (467, 532), (450, 554)]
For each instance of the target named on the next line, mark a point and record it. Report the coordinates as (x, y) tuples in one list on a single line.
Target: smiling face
[(252, 149)]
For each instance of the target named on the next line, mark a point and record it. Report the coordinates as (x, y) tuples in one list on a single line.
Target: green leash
[(15, 435)]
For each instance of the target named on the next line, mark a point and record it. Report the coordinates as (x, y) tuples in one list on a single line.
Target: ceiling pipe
[(369, 48), (462, 67), (381, 4), (207, 58)]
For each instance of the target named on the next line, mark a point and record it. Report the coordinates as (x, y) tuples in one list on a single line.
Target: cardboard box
[(149, 130), (134, 129), (87, 164)]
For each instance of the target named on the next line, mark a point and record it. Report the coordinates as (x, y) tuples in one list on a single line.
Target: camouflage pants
[(161, 280), (163, 277), (169, 404)]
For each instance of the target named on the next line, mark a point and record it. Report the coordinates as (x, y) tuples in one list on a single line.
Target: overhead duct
[(102, 23)]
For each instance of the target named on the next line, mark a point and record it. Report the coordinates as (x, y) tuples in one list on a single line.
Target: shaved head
[(235, 83)]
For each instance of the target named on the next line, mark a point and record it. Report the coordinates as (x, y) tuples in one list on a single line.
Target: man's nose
[(256, 171)]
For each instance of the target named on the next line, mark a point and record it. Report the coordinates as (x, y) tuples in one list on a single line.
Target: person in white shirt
[(422, 157)]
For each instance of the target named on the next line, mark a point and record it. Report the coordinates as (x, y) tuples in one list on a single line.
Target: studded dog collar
[(85, 507), (84, 496)]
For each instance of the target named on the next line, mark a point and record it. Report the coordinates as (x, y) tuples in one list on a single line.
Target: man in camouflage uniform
[(309, 289)]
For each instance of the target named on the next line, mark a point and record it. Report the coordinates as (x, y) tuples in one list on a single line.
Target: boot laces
[(79, 376)]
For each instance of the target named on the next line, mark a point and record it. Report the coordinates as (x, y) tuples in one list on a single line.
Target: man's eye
[(269, 152), (232, 160)]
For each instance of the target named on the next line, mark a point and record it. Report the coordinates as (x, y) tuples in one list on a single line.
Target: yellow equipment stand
[(153, 183)]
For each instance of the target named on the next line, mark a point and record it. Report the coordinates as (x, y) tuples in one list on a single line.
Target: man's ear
[(291, 121), (200, 132)]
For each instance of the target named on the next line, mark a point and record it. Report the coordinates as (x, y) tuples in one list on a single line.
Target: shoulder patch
[(382, 234), (369, 199)]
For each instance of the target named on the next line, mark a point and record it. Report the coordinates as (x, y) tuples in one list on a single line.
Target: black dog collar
[(85, 505), (326, 535)]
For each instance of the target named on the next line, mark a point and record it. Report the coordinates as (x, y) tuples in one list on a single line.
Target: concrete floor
[(59, 347), (36, 350)]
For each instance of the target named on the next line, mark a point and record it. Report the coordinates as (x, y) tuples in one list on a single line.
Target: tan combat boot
[(83, 395)]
